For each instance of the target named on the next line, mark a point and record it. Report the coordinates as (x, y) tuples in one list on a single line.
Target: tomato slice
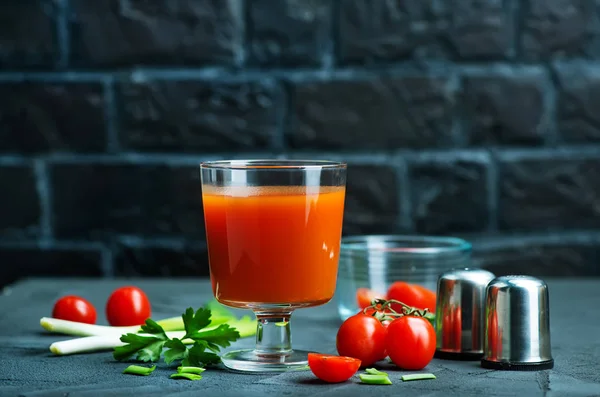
[(332, 369), (364, 297)]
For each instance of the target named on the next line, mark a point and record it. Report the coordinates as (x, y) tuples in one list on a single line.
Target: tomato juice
[(273, 244)]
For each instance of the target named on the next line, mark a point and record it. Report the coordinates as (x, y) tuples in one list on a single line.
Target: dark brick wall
[(468, 117)]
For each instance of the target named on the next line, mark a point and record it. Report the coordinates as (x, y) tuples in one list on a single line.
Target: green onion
[(406, 378), (190, 370), (185, 375), (375, 379), (373, 371), (139, 370), (246, 326)]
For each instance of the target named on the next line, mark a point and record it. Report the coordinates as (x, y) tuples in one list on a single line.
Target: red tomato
[(332, 369), (127, 306), (412, 295), (365, 296), (74, 308), (362, 337), (410, 342)]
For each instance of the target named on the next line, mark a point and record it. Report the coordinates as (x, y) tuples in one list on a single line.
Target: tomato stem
[(383, 310)]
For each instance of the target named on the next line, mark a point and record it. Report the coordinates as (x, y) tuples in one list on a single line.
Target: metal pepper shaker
[(460, 313), (517, 326)]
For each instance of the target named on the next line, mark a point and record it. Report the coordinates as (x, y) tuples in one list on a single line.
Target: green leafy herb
[(190, 370), (138, 370), (406, 378), (375, 379), (185, 375), (205, 342), (373, 371), (147, 348)]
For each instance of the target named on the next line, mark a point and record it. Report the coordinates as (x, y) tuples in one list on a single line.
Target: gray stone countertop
[(27, 368)]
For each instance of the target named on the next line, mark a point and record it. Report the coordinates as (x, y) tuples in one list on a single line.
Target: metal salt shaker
[(517, 326), (460, 313)]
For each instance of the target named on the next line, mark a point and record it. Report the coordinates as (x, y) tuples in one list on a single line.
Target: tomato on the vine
[(332, 369), (127, 306), (74, 308), (362, 337), (410, 342), (412, 295)]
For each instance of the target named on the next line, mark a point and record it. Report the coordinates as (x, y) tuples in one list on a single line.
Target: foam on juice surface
[(250, 191)]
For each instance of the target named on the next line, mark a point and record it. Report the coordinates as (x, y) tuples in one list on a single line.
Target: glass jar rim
[(272, 164), (401, 244)]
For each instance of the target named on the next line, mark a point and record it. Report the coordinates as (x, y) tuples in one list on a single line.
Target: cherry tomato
[(362, 337), (410, 342), (74, 308), (332, 369), (412, 295), (365, 296), (127, 306)]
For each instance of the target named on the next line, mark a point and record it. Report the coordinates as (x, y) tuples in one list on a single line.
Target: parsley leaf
[(198, 357), (194, 322), (152, 327), (149, 343), (177, 350), (222, 336), (148, 348)]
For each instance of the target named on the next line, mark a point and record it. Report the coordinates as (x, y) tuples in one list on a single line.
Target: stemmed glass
[(273, 229)]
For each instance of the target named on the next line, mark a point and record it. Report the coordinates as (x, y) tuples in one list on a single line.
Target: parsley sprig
[(205, 342)]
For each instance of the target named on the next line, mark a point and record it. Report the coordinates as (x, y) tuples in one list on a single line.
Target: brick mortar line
[(211, 74), (44, 191), (517, 15), (278, 141), (406, 218), (493, 192), (242, 54), (107, 261), (550, 107), (331, 57), (482, 242), (380, 157), (63, 33), (536, 237), (54, 244), (110, 116)]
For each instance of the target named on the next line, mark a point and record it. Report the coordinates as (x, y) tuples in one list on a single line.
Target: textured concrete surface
[(27, 368)]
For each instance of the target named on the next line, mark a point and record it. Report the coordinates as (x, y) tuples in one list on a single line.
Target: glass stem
[(273, 333)]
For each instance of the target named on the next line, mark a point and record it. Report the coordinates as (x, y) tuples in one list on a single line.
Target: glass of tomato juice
[(273, 229)]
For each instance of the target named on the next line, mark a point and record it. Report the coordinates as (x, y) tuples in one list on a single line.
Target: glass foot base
[(251, 361)]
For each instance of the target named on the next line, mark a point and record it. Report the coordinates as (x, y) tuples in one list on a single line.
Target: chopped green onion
[(139, 370), (373, 371), (375, 379), (417, 377), (190, 370), (184, 375)]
